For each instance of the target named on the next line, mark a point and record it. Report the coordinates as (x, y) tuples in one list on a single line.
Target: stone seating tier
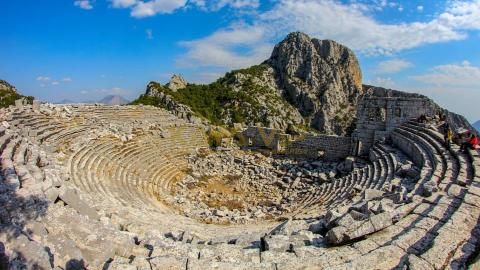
[(106, 202)]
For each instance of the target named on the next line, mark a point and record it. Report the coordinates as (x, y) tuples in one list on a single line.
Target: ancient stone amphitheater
[(106, 187)]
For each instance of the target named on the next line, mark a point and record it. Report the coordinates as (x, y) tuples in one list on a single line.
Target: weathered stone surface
[(351, 229), (32, 254), (371, 194), (177, 82), (321, 78), (70, 197)]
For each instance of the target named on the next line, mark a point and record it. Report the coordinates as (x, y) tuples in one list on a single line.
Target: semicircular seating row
[(436, 232), (55, 130), (138, 173), (377, 175)]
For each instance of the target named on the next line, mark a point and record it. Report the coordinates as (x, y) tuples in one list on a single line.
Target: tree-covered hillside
[(8, 95), (238, 97)]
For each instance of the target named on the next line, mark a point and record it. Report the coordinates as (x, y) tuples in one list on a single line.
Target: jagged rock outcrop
[(321, 78), (458, 121), (169, 103), (267, 105), (177, 82), (305, 83), (5, 86)]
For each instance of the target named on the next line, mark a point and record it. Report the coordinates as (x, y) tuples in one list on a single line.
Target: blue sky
[(86, 49)]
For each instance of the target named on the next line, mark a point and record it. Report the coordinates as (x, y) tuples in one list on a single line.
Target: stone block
[(337, 235), (342, 234), (170, 263), (51, 194), (372, 194), (19, 103), (34, 253), (70, 197), (36, 105), (381, 221)]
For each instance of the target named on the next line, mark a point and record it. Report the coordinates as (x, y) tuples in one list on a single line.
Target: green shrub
[(217, 101), (8, 98), (215, 137), (209, 101)]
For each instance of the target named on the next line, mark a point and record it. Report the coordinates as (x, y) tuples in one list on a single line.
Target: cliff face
[(306, 83), (321, 78)]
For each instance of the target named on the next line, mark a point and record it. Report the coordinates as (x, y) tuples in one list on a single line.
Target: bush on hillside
[(8, 98)]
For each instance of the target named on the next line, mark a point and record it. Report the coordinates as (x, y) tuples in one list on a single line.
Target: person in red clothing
[(470, 143)]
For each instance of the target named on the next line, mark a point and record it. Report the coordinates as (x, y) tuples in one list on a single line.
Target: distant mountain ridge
[(65, 101), (476, 125), (114, 100), (107, 100)]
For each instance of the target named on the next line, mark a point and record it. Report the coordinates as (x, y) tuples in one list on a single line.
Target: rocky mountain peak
[(177, 82), (306, 83), (322, 78)]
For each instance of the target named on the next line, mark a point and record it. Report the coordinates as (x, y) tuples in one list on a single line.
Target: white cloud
[(462, 15), (243, 44), (419, 8), (149, 33), (153, 7), (392, 4), (55, 83), (392, 66), (355, 27), (214, 5), (382, 82), (352, 24), (43, 78), (83, 4), (463, 75), (67, 79), (400, 9), (148, 8), (219, 49), (123, 3), (83, 92)]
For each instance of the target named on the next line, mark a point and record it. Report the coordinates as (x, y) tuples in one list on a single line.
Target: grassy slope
[(213, 101)]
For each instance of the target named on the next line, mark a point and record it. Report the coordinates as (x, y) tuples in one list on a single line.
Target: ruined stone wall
[(270, 138), (377, 116), (320, 146), (305, 145)]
